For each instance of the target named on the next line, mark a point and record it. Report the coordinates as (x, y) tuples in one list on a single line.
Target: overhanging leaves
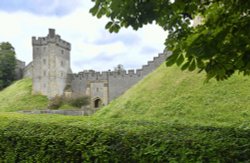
[(221, 36)]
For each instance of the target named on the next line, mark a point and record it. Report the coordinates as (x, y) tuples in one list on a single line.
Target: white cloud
[(83, 31), (42, 7)]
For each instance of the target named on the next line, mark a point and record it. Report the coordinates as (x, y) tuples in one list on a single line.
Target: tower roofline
[(52, 33), (52, 37)]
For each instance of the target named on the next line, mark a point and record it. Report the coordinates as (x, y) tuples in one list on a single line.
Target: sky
[(93, 47)]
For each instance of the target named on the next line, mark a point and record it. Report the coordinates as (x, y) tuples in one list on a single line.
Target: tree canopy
[(218, 45), (7, 64), (119, 68)]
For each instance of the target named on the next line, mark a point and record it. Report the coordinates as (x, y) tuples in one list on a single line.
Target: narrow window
[(44, 61), (62, 63), (62, 51), (44, 73)]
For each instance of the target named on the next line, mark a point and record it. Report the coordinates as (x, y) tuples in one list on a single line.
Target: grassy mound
[(171, 95), (170, 116), (18, 97)]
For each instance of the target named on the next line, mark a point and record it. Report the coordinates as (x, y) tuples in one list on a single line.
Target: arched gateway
[(97, 102)]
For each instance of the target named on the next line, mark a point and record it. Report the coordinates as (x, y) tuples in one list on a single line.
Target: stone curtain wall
[(27, 71), (20, 65), (118, 82)]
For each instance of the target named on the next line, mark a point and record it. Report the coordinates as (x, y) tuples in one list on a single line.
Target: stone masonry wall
[(51, 64), (28, 70), (20, 65), (116, 82)]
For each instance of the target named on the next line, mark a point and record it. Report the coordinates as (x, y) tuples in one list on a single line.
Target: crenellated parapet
[(124, 74), (51, 38), (104, 75)]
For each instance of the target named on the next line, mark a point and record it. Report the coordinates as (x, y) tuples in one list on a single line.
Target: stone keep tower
[(51, 64)]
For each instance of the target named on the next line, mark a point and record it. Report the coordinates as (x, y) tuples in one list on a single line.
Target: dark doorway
[(97, 103)]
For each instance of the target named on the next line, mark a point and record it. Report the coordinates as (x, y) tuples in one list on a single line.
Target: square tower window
[(62, 51)]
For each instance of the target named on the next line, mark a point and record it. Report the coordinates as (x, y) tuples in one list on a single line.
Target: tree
[(219, 45), (7, 64), (119, 68)]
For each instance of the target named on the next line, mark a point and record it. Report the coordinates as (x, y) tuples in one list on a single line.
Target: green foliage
[(39, 138), (7, 64), (61, 102), (79, 101), (219, 45), (18, 96), (55, 102)]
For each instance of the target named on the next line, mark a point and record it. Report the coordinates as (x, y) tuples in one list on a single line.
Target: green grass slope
[(170, 116), (18, 97), (171, 95)]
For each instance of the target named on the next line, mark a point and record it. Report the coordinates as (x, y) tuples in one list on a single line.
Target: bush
[(80, 101), (55, 103), (58, 101)]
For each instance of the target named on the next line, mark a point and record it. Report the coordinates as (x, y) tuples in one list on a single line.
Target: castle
[(51, 73)]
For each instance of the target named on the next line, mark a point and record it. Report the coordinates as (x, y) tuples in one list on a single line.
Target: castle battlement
[(102, 74), (125, 74), (51, 38)]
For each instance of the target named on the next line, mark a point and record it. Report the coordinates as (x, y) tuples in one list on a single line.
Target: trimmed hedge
[(26, 140)]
